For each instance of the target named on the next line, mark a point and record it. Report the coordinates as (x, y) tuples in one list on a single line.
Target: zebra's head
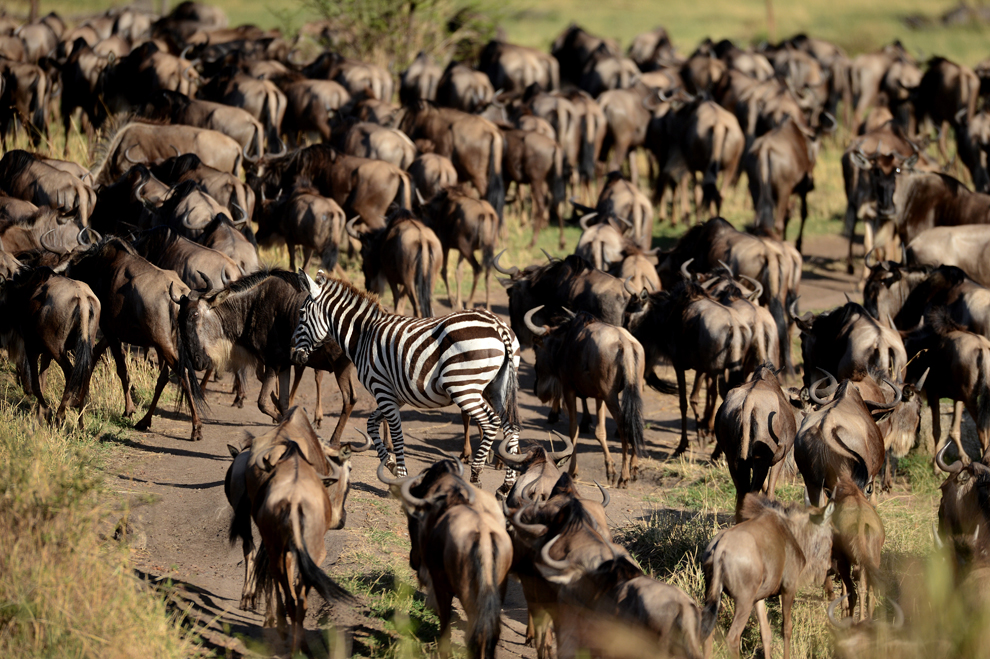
[(311, 331)]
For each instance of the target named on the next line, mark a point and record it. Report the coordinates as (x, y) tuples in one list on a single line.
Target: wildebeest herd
[(210, 140)]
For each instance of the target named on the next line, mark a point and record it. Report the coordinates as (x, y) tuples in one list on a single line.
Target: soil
[(178, 514)]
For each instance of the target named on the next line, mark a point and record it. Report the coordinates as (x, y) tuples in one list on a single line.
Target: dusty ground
[(178, 513)]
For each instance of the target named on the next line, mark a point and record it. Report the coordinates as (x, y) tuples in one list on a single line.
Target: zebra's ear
[(308, 284)]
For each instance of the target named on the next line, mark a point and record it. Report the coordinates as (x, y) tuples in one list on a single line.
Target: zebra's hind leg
[(512, 432), (488, 421), (391, 412), (374, 425)]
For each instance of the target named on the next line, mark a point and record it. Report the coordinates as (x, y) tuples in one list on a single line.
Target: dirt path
[(179, 515)]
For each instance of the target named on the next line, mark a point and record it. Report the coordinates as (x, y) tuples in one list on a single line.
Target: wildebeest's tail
[(87, 319), (713, 591), (424, 280), (311, 573), (331, 249), (764, 199), (709, 183), (483, 636), (557, 191), (783, 336), (586, 158), (632, 400), (495, 194), (403, 195), (982, 393)]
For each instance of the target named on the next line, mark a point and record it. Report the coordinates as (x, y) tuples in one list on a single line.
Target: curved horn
[(43, 242), (552, 562), (528, 319), (349, 227), (240, 211), (283, 149), (870, 256), (625, 220), (898, 615), (178, 154), (137, 191), (793, 309), (584, 220), (127, 155), (953, 468), (569, 312), (422, 202), (606, 497), (514, 271), (551, 259), (845, 623), (405, 490), (171, 293), (812, 393), (185, 50), (568, 449), (457, 463), (758, 292), (629, 289), (892, 404), (832, 386), (921, 380), (185, 73), (363, 446), (531, 529), (512, 459), (684, 268), (385, 478), (726, 266)]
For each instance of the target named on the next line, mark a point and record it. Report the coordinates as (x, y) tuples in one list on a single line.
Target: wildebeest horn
[(224, 277), (514, 271), (626, 220), (528, 319), (626, 285), (565, 452), (349, 227), (793, 308), (552, 562), (898, 614), (531, 529), (185, 72), (206, 280), (457, 463), (137, 190), (726, 266), (127, 155), (240, 211), (684, 269), (385, 478), (43, 241), (954, 468), (363, 446), (838, 624), (870, 256), (832, 386), (171, 293), (921, 381), (551, 259), (757, 286), (422, 202), (569, 312), (511, 459), (892, 404), (185, 50), (283, 149), (94, 235), (405, 490), (178, 153), (584, 220), (606, 497)]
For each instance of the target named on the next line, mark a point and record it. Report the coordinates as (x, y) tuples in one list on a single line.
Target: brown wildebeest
[(473, 144), (459, 548), (196, 265), (592, 127), (539, 161), (779, 164), (622, 198), (431, 173), (356, 76), (858, 540), (463, 88), (47, 316), (405, 253), (591, 359), (25, 91), (311, 105), (262, 99), (972, 144), (603, 243), (967, 247), (652, 50), (247, 474), (228, 190), (774, 551), (702, 72), (627, 115), (514, 68), (468, 225), (574, 48), (963, 513), (306, 219), (145, 142), (368, 140), (136, 308), (26, 176), (755, 428), (538, 472), (420, 81), (947, 95), (188, 210), (235, 122)]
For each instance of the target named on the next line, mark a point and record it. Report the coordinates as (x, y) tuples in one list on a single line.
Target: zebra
[(469, 358)]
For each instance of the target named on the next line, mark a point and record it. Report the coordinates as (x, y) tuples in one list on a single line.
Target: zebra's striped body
[(468, 358)]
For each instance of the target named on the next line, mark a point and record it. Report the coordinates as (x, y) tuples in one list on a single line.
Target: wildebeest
[(774, 551), (407, 255), (603, 243), (858, 540), (529, 157), (45, 316), (420, 80), (228, 190), (466, 224), (966, 247), (459, 548), (368, 140), (462, 88), (755, 428), (306, 219), (591, 359), (235, 122), (136, 308), (196, 265), (262, 99), (248, 473), (26, 176), (514, 68), (431, 173), (963, 513), (25, 90)]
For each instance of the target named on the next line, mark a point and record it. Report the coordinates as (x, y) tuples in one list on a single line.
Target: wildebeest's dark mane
[(253, 280), (14, 161), (942, 279), (113, 131), (28, 220)]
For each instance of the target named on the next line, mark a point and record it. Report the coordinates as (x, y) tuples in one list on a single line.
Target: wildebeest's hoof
[(197, 435), (318, 422), (143, 424), (553, 417)]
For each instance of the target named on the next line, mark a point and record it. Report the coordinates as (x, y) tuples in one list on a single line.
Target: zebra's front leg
[(374, 425)]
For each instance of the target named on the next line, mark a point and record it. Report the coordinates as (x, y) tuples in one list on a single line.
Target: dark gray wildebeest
[(44, 229), (250, 323), (755, 428), (131, 202), (468, 225), (137, 308), (947, 95), (196, 265), (627, 115), (45, 316), (305, 219), (147, 142), (262, 99), (514, 68), (963, 513), (230, 120), (972, 143), (26, 176), (603, 243), (459, 548), (573, 283), (189, 209), (368, 140), (462, 88), (25, 92), (128, 84), (249, 472), (473, 144), (538, 472), (431, 173), (694, 332), (775, 550), (591, 359), (407, 255), (623, 198), (227, 189), (419, 82), (228, 238), (966, 247), (574, 48), (535, 159), (356, 76)]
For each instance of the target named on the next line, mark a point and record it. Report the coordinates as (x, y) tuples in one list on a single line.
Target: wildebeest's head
[(200, 328), (883, 168)]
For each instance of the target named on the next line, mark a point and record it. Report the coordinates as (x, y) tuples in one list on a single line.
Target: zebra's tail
[(503, 389)]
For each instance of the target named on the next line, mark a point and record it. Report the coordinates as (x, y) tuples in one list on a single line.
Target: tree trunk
[(771, 24)]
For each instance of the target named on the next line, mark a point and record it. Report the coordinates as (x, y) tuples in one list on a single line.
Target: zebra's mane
[(348, 286)]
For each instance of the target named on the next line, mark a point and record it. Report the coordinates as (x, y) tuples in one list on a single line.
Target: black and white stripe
[(468, 358)]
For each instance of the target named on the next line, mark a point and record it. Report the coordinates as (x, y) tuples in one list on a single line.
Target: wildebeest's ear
[(234, 451), (860, 160), (910, 162)]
